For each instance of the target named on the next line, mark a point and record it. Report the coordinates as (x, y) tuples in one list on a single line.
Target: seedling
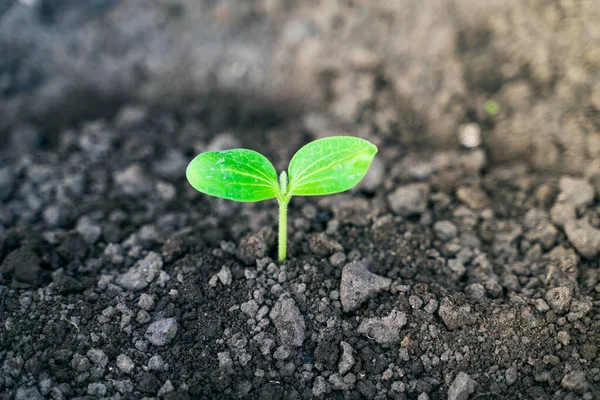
[(325, 166)]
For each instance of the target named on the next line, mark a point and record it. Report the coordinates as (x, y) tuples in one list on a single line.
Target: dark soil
[(443, 275)]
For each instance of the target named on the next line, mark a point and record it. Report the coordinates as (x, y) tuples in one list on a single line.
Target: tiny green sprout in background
[(491, 107), (325, 166)]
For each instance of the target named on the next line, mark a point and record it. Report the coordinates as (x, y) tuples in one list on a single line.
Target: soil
[(447, 273)]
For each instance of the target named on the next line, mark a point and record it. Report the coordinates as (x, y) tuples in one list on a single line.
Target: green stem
[(283, 229)]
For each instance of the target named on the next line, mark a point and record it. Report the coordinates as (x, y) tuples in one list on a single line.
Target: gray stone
[(473, 196), (225, 361), (88, 230), (30, 393), (584, 237), (445, 230), (576, 191), (510, 376), (575, 381), (561, 213), (145, 302), (96, 389), (559, 299), (249, 308), (224, 275), (162, 332), (347, 359), (409, 199), (132, 181), (454, 316), (142, 273), (166, 388), (288, 321), (320, 387), (124, 363), (358, 284), (384, 330), (98, 357), (156, 363), (462, 387)]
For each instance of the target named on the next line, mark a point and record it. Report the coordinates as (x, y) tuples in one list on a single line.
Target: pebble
[(96, 389), (454, 316), (145, 302), (132, 181), (462, 387), (124, 363), (142, 273), (320, 387), (156, 363), (98, 357), (162, 332), (584, 237), (563, 337), (166, 388), (576, 191), (358, 284), (384, 330), (30, 393), (224, 275), (575, 381), (89, 231), (474, 197), (445, 230), (288, 321), (559, 299), (225, 361), (510, 375), (347, 359), (249, 307), (561, 213), (409, 199)]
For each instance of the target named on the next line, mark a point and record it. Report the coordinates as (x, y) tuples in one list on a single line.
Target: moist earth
[(463, 272)]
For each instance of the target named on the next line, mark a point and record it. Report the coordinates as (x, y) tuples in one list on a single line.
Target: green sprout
[(325, 166), (491, 107)]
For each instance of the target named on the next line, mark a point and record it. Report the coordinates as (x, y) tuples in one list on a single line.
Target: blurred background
[(522, 79)]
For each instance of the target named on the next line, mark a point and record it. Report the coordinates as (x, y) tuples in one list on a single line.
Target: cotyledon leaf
[(330, 165), (237, 174)]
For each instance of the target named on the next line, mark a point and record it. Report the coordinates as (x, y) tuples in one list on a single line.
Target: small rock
[(320, 387), (142, 273), (124, 363), (98, 357), (24, 266), (347, 359), (132, 181), (563, 337), (474, 197), (146, 302), (454, 316), (224, 275), (576, 191), (255, 245), (96, 389), (30, 393), (225, 361), (249, 308), (166, 388), (462, 387), (288, 321), (510, 376), (384, 330), (445, 230), (156, 363), (359, 284), (409, 199), (562, 213), (322, 245), (584, 237), (559, 299), (162, 332), (575, 381), (89, 231)]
